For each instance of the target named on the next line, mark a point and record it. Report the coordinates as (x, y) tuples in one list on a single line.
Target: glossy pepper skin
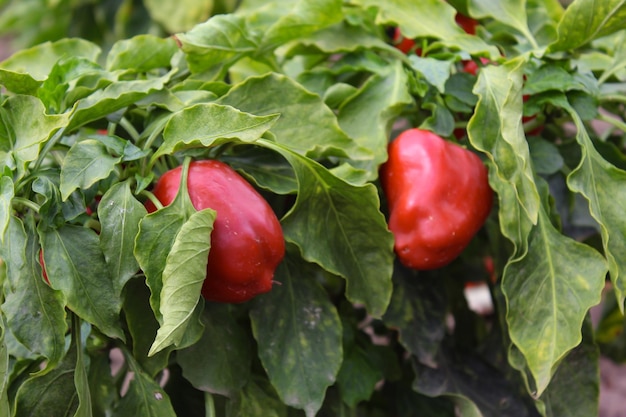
[(247, 242), (438, 197)]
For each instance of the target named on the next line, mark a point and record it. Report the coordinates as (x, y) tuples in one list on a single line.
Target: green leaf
[(418, 309), (114, 97), (39, 395), (601, 183), (221, 40), (143, 326), (427, 19), (382, 97), (510, 12), (7, 192), (349, 232), (119, 213), (290, 19), (180, 15), (76, 266), (496, 129), (575, 386), (549, 291), (24, 71), (357, 377), (35, 313), (188, 128), (545, 156), (85, 164), (255, 401), (30, 128), (298, 332), (157, 233), (183, 275), (220, 362), (71, 79), (316, 135), (80, 373), (475, 386), (4, 372), (144, 396), (601, 17), (435, 71), (142, 53), (266, 168)]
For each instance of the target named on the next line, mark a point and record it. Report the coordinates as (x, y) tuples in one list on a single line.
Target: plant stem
[(209, 405), (613, 121)]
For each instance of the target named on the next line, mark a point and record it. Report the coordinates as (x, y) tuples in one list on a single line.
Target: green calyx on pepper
[(438, 196), (247, 241)]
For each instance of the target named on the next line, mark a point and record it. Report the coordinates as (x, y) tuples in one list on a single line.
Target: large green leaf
[(602, 184), (30, 128), (86, 163), (281, 21), (204, 125), (600, 17), (35, 313), (39, 395), (298, 332), (496, 129), (183, 275), (428, 19), (141, 53), (306, 125), (119, 213), (220, 363), (76, 266), (549, 291), (80, 373), (24, 71), (340, 227), (4, 372), (178, 15)]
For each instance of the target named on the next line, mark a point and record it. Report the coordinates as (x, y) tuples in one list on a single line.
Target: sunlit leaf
[(350, 233)]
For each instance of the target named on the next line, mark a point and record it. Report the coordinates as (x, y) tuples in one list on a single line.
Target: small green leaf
[(298, 332), (510, 12), (142, 53), (204, 125), (114, 97), (7, 193), (183, 275), (219, 41), (220, 362), (144, 397), (382, 97), (601, 17), (120, 213), (350, 233), (180, 15), (76, 266), (80, 373), (357, 377), (435, 71), (85, 164)]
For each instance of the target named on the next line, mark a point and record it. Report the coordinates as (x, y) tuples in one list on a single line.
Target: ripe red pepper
[(247, 242), (406, 45), (438, 197), (467, 23)]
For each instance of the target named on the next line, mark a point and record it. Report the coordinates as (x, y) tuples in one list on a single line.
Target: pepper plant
[(301, 98)]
